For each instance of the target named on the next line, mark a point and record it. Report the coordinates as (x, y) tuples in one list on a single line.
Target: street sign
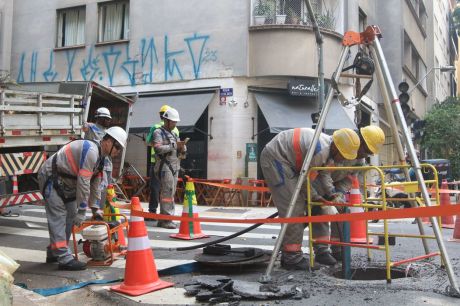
[(226, 92)]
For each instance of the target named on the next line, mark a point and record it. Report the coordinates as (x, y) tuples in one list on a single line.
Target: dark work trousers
[(154, 190)]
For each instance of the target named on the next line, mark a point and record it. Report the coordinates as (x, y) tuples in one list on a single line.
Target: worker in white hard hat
[(95, 131), (69, 181), (281, 161), (154, 184), (167, 146), (334, 186)]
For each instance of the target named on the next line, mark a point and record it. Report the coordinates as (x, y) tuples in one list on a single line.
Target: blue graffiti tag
[(70, 57), (129, 66), (110, 60), (196, 40), (20, 78), (50, 74), (90, 67), (33, 66), (148, 52), (170, 65)]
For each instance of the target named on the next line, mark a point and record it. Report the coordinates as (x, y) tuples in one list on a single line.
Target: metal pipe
[(379, 67), (306, 163), (415, 162)]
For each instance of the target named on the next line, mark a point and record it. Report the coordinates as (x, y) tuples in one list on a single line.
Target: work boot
[(337, 256), (325, 259), (73, 265), (167, 224), (51, 259)]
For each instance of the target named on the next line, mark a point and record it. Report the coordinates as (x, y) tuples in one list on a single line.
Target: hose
[(199, 246)]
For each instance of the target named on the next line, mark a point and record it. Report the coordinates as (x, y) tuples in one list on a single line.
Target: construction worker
[(154, 183), (69, 181), (95, 131), (281, 162), (167, 147), (333, 187)]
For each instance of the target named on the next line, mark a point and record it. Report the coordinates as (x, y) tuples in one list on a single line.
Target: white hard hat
[(118, 134), (172, 114), (103, 112)]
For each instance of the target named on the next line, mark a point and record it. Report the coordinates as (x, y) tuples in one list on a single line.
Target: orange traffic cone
[(189, 230), (456, 235), (141, 274), (358, 231), (446, 221)]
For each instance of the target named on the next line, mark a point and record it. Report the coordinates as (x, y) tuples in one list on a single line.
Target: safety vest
[(150, 138)]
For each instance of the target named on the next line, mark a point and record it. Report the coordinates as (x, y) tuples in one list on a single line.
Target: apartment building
[(233, 68)]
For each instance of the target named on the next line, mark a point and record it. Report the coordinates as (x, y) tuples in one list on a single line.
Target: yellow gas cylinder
[(108, 208)]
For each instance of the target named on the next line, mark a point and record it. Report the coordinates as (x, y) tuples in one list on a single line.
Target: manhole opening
[(373, 274)]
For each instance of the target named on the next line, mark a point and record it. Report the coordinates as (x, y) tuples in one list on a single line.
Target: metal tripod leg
[(386, 78), (306, 163), (395, 133)]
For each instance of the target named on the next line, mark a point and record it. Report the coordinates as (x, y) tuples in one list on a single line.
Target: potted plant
[(260, 12), (281, 14), (292, 17)]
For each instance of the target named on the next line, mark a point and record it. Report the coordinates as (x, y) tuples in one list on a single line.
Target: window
[(70, 27), (113, 21), (362, 21)]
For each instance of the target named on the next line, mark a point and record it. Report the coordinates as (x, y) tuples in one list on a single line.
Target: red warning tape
[(233, 186), (418, 212)]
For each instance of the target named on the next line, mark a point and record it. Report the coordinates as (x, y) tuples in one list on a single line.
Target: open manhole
[(374, 273)]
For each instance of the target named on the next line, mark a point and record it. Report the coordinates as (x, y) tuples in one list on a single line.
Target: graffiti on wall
[(156, 60)]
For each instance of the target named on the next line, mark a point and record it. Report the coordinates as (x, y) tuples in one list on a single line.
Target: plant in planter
[(261, 10), (281, 14), (292, 17)]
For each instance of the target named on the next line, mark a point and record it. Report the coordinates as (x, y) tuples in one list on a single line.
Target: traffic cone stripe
[(136, 219), (355, 191), (138, 244)]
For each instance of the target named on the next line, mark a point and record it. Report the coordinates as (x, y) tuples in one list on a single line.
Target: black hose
[(223, 238)]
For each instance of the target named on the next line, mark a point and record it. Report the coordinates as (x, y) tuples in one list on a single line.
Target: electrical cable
[(223, 238)]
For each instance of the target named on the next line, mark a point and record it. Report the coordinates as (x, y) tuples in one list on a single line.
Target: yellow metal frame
[(408, 187)]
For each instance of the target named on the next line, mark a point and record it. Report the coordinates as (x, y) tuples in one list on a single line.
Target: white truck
[(36, 119)]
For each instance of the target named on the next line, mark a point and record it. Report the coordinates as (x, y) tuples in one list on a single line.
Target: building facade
[(233, 68)]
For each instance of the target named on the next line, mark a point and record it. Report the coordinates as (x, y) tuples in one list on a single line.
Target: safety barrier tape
[(418, 212), (402, 189), (235, 186)]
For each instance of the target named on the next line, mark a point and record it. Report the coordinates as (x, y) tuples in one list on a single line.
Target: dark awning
[(190, 107), (284, 112)]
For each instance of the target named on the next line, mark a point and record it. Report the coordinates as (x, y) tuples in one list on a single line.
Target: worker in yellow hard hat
[(281, 161), (372, 139), (154, 183)]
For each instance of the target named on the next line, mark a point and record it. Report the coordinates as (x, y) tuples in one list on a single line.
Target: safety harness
[(163, 160), (58, 184)]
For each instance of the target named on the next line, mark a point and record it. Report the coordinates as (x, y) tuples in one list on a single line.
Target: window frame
[(60, 33), (101, 22)]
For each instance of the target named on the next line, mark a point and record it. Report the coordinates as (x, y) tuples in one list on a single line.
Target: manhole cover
[(234, 259), (373, 273)]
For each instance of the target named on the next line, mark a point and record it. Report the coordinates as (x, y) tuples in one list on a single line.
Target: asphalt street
[(25, 237)]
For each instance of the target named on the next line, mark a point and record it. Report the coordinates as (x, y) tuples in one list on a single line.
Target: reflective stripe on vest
[(297, 149)]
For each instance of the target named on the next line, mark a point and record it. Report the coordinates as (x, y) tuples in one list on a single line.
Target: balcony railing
[(294, 12)]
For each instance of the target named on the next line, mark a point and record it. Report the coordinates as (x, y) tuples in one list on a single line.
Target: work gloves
[(97, 214), (79, 217), (337, 197)]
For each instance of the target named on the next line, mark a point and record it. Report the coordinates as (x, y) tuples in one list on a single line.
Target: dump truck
[(36, 119)]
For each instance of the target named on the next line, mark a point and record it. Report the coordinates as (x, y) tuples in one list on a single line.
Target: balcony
[(282, 41)]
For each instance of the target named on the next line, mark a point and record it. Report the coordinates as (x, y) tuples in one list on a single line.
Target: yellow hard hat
[(164, 108), (374, 137), (347, 142)]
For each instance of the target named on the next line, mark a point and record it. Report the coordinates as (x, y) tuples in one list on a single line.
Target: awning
[(284, 112), (190, 107)]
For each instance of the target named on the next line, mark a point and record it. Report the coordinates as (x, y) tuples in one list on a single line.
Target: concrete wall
[(166, 43)]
